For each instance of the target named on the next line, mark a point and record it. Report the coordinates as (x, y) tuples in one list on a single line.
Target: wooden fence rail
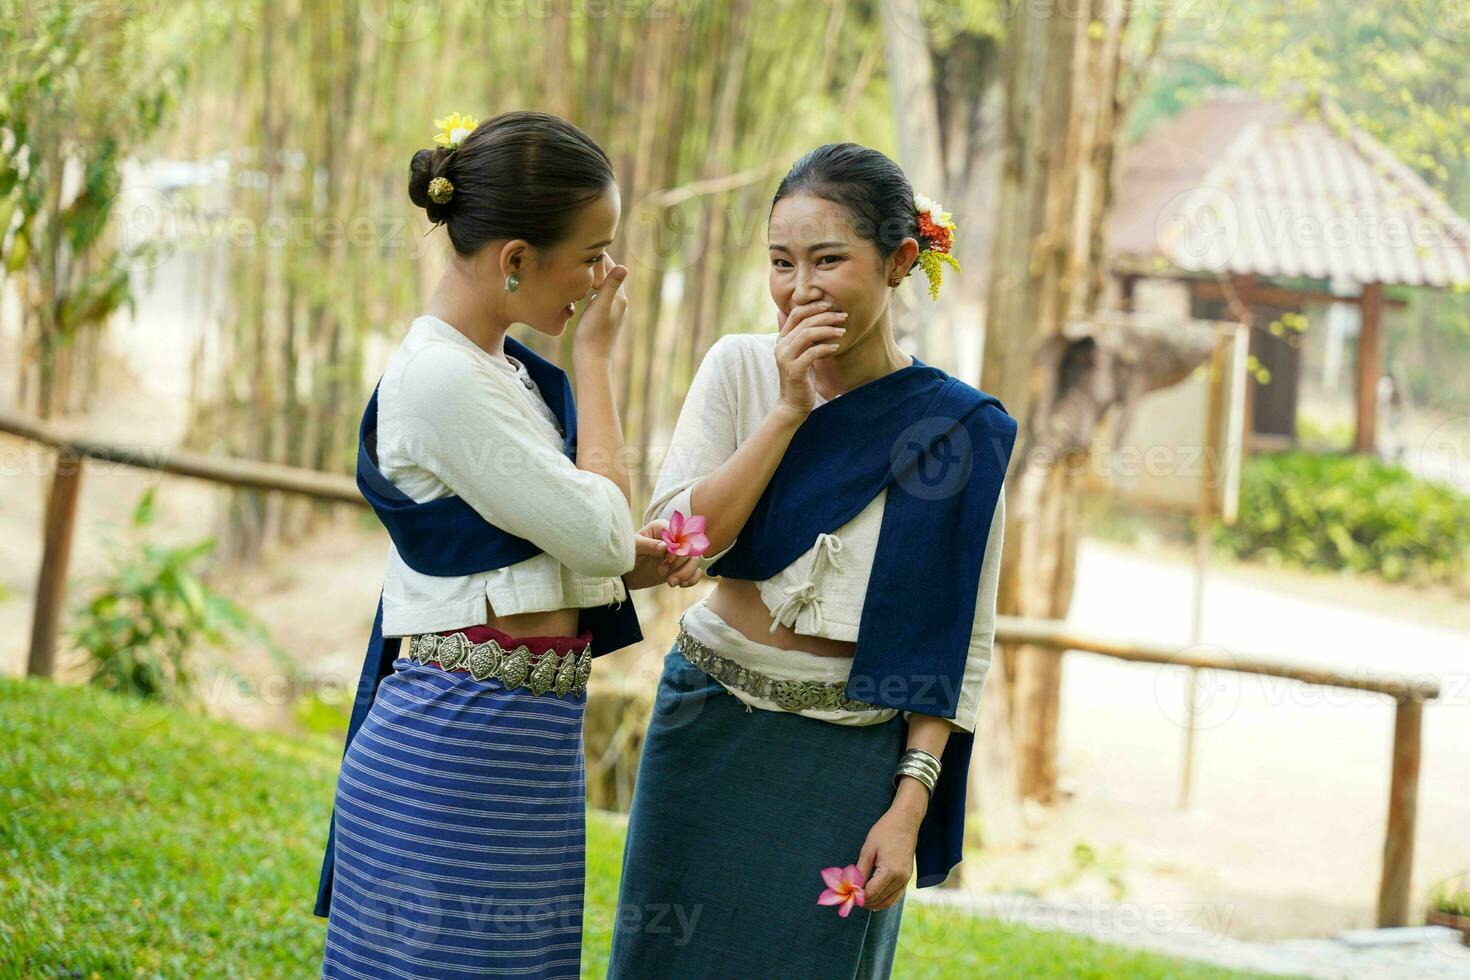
[(1408, 692), (66, 482), (71, 452)]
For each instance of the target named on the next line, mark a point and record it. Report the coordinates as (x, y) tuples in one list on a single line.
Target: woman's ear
[(902, 259), (513, 256)]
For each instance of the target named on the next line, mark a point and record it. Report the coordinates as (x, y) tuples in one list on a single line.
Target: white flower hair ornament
[(936, 238)]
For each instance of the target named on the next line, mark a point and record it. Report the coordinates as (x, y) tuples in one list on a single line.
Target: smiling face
[(817, 253), (556, 277)]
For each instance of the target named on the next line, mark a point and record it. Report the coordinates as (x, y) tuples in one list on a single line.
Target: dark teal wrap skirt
[(734, 815)]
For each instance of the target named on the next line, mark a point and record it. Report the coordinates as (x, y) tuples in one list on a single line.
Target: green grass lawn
[(146, 842)]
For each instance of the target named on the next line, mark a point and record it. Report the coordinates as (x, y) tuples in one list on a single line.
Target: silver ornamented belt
[(563, 673), (789, 694)]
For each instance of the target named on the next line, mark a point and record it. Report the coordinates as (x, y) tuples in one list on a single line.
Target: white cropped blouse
[(454, 419), (822, 592)]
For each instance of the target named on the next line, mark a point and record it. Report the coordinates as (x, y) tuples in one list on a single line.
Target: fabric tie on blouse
[(799, 597)]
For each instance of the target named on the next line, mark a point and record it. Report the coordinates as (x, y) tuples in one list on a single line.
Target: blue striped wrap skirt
[(460, 832), (734, 814)]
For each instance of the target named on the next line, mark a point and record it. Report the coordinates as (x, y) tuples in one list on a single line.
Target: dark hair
[(867, 183), (519, 175)]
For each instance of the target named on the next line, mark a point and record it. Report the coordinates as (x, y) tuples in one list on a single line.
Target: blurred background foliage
[(304, 117), (270, 140)]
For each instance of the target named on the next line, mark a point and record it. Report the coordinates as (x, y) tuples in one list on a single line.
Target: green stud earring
[(512, 283)]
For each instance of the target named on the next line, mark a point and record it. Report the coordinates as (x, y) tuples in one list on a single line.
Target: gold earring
[(895, 281), (512, 282)]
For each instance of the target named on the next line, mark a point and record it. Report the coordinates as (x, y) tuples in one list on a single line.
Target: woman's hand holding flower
[(669, 552)]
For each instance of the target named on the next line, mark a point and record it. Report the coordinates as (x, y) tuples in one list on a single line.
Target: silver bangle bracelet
[(925, 755), (930, 774), (922, 776), (922, 765), (920, 759)]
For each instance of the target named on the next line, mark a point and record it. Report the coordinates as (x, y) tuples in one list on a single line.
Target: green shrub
[(1451, 898), (1351, 513), (143, 617), (1323, 437)]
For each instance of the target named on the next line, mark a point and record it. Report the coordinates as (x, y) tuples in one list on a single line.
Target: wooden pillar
[(1370, 367), (1403, 795), (1238, 308), (61, 511), (1127, 292)]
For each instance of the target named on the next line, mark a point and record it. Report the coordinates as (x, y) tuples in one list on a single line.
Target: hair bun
[(520, 175), (423, 170)]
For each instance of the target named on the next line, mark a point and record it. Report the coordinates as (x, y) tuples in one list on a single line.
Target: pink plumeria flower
[(685, 535), (844, 888)]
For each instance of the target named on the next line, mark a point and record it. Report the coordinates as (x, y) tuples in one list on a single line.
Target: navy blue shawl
[(941, 448), (448, 537)]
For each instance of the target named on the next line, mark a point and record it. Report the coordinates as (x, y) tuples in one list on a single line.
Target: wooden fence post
[(61, 512), (1403, 795)]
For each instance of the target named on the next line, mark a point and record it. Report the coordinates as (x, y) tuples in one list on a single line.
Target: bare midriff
[(552, 622), (738, 602)]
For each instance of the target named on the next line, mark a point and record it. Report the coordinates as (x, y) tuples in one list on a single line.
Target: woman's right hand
[(655, 566), (808, 333), (602, 317)]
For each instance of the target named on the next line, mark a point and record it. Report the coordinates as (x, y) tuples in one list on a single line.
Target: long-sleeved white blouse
[(454, 419), (822, 592)]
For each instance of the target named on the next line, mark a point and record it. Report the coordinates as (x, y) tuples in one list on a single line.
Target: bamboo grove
[(320, 106)]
